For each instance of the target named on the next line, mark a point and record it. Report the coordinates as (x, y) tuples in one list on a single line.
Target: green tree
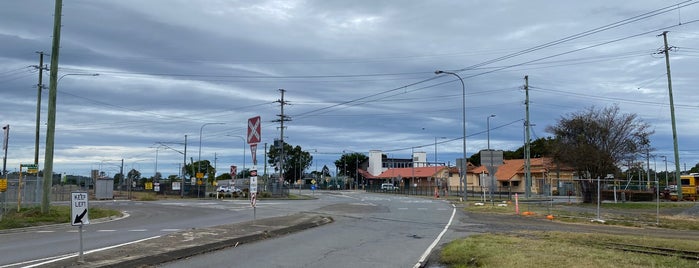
[(118, 178), (295, 161), (204, 166), (348, 164), (134, 175), (597, 141), (541, 147), (694, 169)]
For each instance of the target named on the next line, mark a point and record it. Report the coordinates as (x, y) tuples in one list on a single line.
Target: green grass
[(557, 249), (637, 214), (32, 216)]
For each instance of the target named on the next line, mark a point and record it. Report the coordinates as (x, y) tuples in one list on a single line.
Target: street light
[(490, 155), (50, 130), (201, 129), (464, 179)]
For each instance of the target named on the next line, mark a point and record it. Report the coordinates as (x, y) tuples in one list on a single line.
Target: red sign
[(254, 127), (253, 153), (253, 173), (234, 171)]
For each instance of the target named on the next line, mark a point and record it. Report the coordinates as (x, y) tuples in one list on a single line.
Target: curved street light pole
[(50, 123), (201, 129), (464, 179)]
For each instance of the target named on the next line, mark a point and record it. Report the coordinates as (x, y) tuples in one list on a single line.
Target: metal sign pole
[(80, 255)]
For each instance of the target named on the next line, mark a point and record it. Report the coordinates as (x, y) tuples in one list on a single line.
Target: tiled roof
[(510, 168), (418, 172)]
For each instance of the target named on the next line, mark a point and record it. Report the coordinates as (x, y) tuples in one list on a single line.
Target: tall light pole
[(201, 129), (492, 175), (666, 181), (51, 116), (464, 179)]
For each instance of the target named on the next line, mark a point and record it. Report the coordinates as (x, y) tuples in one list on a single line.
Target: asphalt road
[(396, 219), (370, 230)]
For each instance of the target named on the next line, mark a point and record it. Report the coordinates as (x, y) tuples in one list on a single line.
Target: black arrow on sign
[(79, 218)]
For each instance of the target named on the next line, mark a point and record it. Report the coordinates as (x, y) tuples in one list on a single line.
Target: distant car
[(388, 187), (227, 189)]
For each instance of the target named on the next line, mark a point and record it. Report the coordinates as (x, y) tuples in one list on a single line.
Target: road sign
[(254, 127), (253, 153), (253, 184), (234, 171), (79, 209), (31, 168), (3, 185), (253, 199)]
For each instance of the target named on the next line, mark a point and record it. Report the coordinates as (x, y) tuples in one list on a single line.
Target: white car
[(227, 189), (388, 187)]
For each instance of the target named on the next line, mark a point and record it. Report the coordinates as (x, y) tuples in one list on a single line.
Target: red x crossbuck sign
[(254, 128)]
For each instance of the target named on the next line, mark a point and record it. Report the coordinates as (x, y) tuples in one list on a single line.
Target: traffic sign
[(3, 185), (234, 171), (79, 209), (253, 199), (253, 184), (254, 127)]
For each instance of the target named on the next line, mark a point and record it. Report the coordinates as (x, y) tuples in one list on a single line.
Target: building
[(547, 177)]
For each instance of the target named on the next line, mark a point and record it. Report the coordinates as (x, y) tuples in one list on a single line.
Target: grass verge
[(557, 249), (32, 216), (624, 214)]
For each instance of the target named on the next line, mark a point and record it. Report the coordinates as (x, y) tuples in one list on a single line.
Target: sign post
[(79, 215)]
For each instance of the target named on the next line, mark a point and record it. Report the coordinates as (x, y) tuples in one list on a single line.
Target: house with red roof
[(545, 173)]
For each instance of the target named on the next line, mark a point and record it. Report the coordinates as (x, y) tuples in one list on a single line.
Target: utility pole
[(40, 86), (282, 118), (184, 165), (527, 152), (121, 171), (666, 50), (51, 120)]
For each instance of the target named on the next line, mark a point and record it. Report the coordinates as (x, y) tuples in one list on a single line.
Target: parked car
[(388, 187), (228, 189)]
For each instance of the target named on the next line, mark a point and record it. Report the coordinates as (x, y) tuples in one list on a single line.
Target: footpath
[(193, 242)]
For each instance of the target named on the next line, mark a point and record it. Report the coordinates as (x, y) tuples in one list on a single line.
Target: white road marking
[(105, 230), (138, 230), (73, 255), (45, 231), (424, 256)]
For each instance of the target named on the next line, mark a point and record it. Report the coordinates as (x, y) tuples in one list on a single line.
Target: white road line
[(73, 255), (424, 256), (402, 208), (106, 230), (45, 231), (138, 230)]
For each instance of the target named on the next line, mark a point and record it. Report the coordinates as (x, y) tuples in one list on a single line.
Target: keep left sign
[(79, 209)]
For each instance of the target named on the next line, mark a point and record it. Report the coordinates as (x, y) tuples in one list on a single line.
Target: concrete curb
[(190, 243)]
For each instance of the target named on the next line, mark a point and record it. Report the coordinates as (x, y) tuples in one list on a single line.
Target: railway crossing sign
[(254, 127), (79, 209)]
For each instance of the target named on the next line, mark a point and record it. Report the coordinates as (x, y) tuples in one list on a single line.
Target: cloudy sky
[(358, 75)]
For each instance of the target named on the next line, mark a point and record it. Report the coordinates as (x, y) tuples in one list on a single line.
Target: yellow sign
[(313, 181), (3, 185), (199, 175), (200, 182), (149, 186)]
